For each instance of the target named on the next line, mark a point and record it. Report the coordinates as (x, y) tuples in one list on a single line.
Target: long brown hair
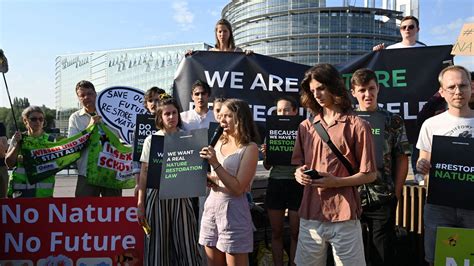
[(246, 130), (231, 41), (159, 113), (327, 75)]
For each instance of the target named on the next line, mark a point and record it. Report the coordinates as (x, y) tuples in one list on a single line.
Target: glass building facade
[(310, 32), (140, 68)]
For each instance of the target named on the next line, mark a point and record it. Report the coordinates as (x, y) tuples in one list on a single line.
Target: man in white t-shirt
[(458, 120), (196, 118), (409, 28), (201, 115)]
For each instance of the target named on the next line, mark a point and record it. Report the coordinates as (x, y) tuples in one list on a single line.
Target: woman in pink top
[(226, 225)]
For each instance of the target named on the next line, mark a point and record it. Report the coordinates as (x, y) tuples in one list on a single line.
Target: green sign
[(46, 159), (110, 162), (454, 246)]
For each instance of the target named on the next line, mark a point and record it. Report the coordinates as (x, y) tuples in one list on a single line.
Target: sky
[(34, 32)]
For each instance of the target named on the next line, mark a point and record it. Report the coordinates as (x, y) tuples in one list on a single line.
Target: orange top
[(353, 137)]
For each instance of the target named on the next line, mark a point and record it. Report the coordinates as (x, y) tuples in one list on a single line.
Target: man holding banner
[(379, 208), (457, 121), (79, 121), (409, 28)]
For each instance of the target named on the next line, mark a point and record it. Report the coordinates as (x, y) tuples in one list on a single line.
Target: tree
[(19, 104)]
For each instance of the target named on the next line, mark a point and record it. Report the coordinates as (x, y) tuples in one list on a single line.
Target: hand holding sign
[(423, 166), (118, 106)]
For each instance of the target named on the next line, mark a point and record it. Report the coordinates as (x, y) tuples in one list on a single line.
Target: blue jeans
[(437, 215)]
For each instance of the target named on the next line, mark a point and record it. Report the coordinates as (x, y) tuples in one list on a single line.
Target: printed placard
[(463, 45), (118, 107), (109, 163), (155, 161), (145, 127), (451, 180), (454, 246), (70, 231), (49, 158), (377, 123), (184, 172), (280, 138)]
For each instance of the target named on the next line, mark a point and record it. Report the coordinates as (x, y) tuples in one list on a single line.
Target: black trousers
[(379, 234)]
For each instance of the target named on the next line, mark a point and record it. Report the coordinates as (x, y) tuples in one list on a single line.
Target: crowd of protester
[(326, 212)]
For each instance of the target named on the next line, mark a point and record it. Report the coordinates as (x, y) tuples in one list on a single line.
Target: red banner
[(70, 231)]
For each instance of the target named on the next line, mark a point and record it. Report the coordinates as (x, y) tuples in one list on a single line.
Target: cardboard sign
[(463, 45), (184, 172), (377, 122), (454, 246), (145, 126), (118, 107), (70, 231), (451, 180), (155, 161), (280, 138)]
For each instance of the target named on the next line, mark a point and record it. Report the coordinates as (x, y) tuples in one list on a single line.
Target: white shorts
[(345, 238)]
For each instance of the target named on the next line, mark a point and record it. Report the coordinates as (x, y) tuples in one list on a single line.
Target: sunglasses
[(410, 27), (36, 119)]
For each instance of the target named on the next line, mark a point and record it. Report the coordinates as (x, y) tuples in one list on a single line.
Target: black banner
[(184, 172), (255, 78), (155, 161), (145, 125), (280, 138), (377, 122), (451, 180), (407, 78)]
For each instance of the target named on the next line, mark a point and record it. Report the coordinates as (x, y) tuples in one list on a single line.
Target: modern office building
[(316, 31), (139, 68)]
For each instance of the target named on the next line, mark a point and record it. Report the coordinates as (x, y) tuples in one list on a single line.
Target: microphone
[(3, 62), (217, 134)]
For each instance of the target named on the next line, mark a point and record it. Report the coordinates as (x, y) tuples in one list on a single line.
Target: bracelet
[(215, 168)]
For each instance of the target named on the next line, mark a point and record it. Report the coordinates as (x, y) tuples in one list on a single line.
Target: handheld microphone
[(217, 134)]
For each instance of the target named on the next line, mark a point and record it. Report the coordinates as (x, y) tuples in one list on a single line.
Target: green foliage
[(19, 104)]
